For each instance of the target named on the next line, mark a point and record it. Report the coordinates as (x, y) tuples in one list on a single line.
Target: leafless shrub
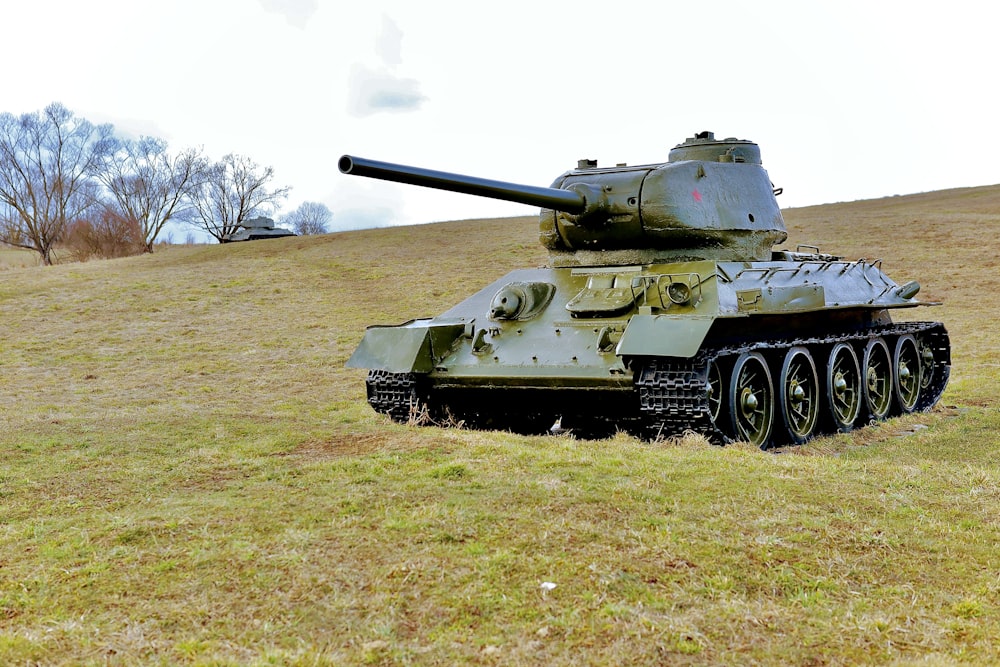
[(110, 235)]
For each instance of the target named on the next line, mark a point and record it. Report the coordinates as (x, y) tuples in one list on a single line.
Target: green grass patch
[(190, 476)]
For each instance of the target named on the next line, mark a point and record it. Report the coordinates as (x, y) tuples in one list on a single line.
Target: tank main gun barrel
[(569, 201)]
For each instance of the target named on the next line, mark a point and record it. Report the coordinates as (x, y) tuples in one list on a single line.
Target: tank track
[(398, 395), (674, 395)]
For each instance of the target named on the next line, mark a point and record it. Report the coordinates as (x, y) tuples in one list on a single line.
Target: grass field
[(190, 476), (13, 258)]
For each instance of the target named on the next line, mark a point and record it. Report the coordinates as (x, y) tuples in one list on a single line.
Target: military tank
[(665, 309)]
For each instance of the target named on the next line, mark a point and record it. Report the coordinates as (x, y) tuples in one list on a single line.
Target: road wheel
[(906, 365), (751, 400), (798, 395), (843, 387), (878, 379)]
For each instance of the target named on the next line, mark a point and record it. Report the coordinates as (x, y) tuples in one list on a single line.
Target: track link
[(398, 395)]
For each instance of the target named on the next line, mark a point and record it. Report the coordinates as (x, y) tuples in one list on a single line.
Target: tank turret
[(712, 199), (665, 309)]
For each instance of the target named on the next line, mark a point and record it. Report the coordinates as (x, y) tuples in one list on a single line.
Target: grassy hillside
[(190, 476), (11, 258)]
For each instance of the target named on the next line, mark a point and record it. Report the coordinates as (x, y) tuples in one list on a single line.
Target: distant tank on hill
[(258, 228)]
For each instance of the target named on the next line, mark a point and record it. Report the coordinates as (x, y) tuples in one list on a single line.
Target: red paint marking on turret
[(696, 195)]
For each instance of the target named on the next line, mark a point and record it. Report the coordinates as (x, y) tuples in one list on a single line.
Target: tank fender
[(663, 336), (413, 347)]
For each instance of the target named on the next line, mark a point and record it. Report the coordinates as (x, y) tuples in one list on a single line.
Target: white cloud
[(296, 12), (374, 90), (389, 43), (380, 88)]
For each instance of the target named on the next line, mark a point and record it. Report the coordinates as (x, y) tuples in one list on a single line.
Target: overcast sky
[(848, 100)]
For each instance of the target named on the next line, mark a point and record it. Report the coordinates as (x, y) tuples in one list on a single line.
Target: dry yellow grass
[(12, 258), (190, 476)]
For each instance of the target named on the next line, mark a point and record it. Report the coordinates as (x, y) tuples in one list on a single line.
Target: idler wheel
[(843, 387), (751, 400), (798, 395), (715, 392), (878, 379), (926, 364)]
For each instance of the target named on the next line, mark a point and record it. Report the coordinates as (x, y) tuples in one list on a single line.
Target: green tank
[(665, 309)]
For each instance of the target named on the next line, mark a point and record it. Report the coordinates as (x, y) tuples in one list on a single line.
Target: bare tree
[(309, 218), (234, 189), (150, 186), (47, 160)]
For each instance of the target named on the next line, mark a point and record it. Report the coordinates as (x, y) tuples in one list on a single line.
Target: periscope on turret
[(665, 309)]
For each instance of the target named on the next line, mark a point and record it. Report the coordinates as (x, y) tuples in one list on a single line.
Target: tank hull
[(769, 352)]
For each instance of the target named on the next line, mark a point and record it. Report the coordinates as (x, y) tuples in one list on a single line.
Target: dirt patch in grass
[(345, 444)]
